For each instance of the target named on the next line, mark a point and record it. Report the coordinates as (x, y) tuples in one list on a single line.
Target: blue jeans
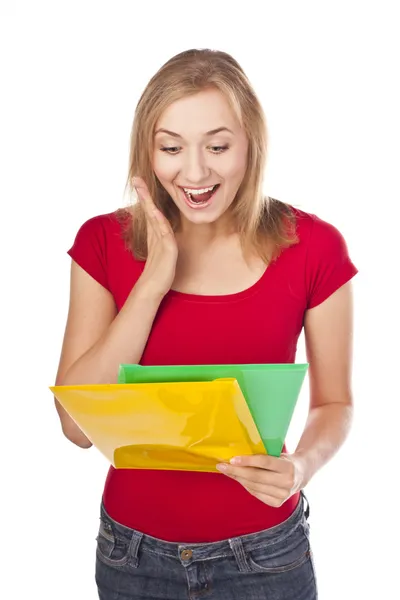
[(274, 564)]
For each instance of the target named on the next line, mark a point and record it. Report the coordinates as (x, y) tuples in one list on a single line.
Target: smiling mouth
[(200, 196)]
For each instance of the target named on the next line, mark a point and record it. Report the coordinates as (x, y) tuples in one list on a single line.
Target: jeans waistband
[(204, 551)]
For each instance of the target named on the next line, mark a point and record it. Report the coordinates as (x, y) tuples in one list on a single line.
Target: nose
[(195, 168)]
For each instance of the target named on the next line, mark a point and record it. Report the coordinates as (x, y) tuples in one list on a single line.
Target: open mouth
[(199, 197)]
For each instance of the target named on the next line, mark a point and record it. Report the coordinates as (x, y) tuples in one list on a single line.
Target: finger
[(158, 221), (158, 227), (147, 206), (268, 490), (263, 461), (143, 194), (163, 225), (255, 475), (146, 202), (267, 499)]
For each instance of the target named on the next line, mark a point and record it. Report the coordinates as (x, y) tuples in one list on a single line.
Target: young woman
[(204, 270)]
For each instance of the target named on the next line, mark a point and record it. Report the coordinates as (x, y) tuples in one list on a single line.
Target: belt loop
[(239, 553), (134, 549), (307, 510)]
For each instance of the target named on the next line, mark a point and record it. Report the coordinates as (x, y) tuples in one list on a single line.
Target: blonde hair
[(264, 224)]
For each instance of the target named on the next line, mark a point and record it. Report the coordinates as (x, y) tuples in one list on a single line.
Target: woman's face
[(200, 155)]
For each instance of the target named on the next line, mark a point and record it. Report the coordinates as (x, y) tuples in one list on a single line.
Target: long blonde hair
[(264, 224)]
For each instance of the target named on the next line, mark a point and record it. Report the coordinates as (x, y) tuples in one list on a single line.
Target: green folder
[(271, 390)]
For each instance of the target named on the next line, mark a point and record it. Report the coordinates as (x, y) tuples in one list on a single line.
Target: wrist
[(303, 466), (148, 292)]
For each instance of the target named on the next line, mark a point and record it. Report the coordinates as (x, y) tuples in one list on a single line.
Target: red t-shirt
[(259, 325)]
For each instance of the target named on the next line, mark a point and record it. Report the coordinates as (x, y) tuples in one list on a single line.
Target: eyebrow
[(208, 133)]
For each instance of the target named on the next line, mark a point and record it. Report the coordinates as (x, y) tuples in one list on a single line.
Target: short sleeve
[(89, 249), (328, 262)]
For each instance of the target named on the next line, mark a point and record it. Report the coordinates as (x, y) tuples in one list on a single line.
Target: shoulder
[(308, 222), (99, 246), (104, 229), (325, 256), (316, 233), (107, 223)]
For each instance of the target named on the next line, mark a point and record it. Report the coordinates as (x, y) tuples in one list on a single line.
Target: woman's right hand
[(159, 271)]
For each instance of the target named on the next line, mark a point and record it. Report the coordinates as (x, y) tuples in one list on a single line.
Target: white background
[(71, 74)]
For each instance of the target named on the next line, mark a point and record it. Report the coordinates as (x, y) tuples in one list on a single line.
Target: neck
[(191, 234)]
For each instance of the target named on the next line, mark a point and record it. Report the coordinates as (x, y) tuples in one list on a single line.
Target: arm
[(328, 330), (97, 339)]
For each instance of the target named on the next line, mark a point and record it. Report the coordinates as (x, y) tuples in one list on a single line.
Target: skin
[(328, 334), (199, 259), (191, 162), (191, 158), (210, 256)]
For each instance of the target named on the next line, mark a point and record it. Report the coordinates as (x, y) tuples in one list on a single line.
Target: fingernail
[(236, 460), (221, 467)]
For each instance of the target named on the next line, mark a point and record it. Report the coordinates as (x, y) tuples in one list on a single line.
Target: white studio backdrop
[(71, 74)]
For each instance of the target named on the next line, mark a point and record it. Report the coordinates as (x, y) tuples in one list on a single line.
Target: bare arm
[(328, 329), (97, 339), (329, 337)]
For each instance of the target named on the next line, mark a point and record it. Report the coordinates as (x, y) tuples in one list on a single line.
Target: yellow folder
[(180, 426)]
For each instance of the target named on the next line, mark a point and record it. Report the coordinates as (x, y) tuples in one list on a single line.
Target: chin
[(200, 217)]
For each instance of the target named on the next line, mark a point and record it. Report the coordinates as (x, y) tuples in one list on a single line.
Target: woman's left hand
[(272, 480)]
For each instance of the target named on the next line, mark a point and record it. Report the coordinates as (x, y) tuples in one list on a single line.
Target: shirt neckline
[(234, 297)]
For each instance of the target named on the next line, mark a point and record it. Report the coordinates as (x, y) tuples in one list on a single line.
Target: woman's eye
[(177, 149), (171, 149), (218, 149)]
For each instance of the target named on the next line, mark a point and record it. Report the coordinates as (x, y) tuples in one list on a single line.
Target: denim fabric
[(274, 564)]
